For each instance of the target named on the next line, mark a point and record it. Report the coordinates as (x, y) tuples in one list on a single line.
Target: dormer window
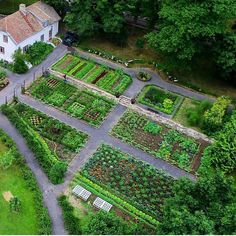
[(5, 38)]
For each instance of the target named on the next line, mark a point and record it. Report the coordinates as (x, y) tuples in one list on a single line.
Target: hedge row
[(44, 221), (54, 168)]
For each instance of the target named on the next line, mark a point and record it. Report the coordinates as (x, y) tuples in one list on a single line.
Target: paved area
[(97, 135)]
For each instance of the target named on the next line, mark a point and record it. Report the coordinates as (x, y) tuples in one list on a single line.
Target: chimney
[(22, 8)]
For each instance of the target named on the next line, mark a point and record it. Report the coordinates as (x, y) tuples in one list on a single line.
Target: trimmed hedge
[(44, 221), (54, 168)]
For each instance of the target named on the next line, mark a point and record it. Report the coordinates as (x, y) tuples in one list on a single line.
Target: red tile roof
[(21, 26)]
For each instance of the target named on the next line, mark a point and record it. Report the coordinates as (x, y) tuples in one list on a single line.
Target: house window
[(2, 50), (5, 38), (42, 37), (25, 48), (50, 33)]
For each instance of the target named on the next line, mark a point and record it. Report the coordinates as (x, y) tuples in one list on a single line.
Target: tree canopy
[(205, 207)]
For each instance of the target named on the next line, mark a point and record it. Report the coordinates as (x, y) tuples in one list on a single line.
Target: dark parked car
[(70, 38)]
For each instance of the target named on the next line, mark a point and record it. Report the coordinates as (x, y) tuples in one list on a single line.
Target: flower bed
[(80, 103), (136, 182), (110, 81), (158, 99), (159, 141)]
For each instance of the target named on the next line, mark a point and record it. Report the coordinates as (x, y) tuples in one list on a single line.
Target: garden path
[(101, 134), (49, 196)]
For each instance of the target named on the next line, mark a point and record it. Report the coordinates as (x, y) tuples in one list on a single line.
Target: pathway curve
[(49, 195)]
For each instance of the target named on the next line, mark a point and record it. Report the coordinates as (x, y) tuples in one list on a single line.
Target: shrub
[(15, 204), (140, 42), (19, 65), (37, 52), (213, 118), (3, 74)]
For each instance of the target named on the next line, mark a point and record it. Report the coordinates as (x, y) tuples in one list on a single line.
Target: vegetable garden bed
[(136, 182), (78, 102), (61, 138), (109, 80), (154, 97), (160, 141)]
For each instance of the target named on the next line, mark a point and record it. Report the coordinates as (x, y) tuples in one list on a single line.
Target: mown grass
[(24, 222)]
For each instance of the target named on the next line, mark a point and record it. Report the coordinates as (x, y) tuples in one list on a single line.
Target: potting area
[(159, 140), (114, 82), (78, 102)]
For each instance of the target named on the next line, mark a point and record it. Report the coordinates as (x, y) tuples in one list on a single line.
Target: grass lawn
[(9, 6), (181, 115), (24, 222), (128, 53)]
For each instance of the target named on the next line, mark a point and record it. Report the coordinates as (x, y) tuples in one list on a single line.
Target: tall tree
[(204, 207), (189, 27), (90, 16)]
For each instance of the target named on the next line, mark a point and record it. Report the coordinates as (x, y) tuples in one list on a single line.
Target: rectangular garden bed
[(160, 141), (78, 102), (134, 181), (159, 99), (61, 138), (109, 80)]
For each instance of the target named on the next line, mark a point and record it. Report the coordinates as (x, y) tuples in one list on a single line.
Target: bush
[(213, 118), (38, 52), (143, 76), (15, 204), (70, 220), (195, 115), (3, 74), (19, 65)]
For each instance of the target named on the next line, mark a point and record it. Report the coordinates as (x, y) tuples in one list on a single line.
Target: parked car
[(70, 38)]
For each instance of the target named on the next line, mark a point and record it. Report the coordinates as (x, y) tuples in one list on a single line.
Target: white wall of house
[(10, 47)]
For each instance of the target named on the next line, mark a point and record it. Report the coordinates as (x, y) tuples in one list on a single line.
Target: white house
[(37, 22)]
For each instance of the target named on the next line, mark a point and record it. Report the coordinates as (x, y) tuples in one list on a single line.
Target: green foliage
[(158, 99), (152, 128), (90, 72), (7, 159), (19, 65), (158, 140), (3, 74), (106, 16), (200, 207), (15, 204), (195, 115), (104, 223), (38, 52), (137, 187), (140, 42), (190, 28), (44, 221), (214, 118), (222, 153), (37, 144), (70, 220), (78, 102)]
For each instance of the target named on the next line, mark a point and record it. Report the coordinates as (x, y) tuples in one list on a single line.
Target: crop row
[(106, 79), (81, 103)]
